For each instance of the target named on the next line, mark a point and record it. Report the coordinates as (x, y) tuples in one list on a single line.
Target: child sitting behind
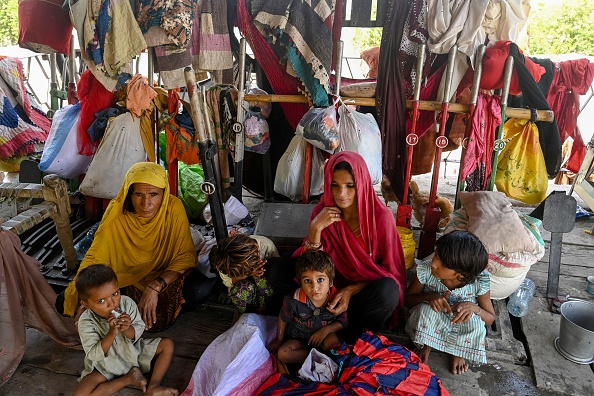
[(450, 301), (304, 321), (240, 260), (110, 330)]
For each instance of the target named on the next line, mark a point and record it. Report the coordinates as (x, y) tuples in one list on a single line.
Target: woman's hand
[(439, 303), (340, 302), (328, 215), (148, 307), (464, 311)]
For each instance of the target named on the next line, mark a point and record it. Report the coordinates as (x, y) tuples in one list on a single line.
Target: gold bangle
[(309, 245)]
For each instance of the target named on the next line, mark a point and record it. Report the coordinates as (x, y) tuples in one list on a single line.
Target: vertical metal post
[(206, 151), (238, 127), (499, 142), (53, 84)]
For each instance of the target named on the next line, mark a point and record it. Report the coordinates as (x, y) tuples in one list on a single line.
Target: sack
[(60, 155), (120, 148), (521, 169), (290, 172), (190, 179), (360, 133), (319, 127), (318, 367), (257, 133)]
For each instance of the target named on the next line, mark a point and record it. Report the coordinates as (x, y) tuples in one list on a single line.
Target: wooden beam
[(426, 105), (21, 190)]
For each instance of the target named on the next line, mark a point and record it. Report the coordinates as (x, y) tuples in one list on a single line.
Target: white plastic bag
[(360, 133), (318, 367), (120, 148), (319, 127), (60, 154), (290, 171)]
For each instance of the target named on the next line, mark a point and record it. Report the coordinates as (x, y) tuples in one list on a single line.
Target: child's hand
[(124, 322), (317, 338), (114, 327), (274, 346), (439, 303), (464, 311), (259, 270)]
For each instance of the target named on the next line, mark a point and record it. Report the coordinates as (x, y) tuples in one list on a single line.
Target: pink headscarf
[(385, 257)]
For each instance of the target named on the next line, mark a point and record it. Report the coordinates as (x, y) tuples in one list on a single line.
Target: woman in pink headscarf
[(359, 232)]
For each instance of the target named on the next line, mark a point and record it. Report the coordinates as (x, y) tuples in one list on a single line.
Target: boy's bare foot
[(458, 365), (423, 353), (137, 378), (156, 390)]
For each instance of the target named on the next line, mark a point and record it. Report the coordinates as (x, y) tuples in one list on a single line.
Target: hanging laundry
[(573, 78), (94, 97), (470, 24), (109, 38), (391, 99), (44, 26), (213, 49), (213, 100), (139, 95), (167, 27), (300, 33), (415, 33), (477, 159), (146, 122)]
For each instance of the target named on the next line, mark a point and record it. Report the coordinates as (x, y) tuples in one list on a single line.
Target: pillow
[(359, 90), (371, 57), (492, 219)]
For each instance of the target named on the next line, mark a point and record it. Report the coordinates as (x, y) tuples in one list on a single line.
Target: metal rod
[(239, 130), (499, 143), (338, 67), (206, 151)]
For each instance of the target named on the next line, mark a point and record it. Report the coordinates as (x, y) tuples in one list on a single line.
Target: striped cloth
[(373, 366)]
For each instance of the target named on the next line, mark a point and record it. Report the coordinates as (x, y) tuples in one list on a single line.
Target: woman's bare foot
[(156, 390), (423, 353), (137, 378), (458, 365)]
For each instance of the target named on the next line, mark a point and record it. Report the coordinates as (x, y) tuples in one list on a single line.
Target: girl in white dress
[(450, 302)]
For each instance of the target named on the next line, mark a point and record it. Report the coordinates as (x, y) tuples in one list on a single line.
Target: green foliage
[(9, 22), (561, 28), (367, 38)]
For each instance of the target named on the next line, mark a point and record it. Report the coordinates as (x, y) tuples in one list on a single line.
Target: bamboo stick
[(426, 105)]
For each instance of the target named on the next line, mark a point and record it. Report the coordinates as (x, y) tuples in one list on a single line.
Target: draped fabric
[(140, 249), (550, 141), (26, 299), (385, 257), (485, 120), (300, 33), (391, 98), (282, 83), (573, 78), (372, 366)]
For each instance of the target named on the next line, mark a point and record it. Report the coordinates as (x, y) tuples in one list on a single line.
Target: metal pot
[(576, 332)]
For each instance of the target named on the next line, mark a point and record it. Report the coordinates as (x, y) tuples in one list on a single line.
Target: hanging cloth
[(391, 98), (573, 78)]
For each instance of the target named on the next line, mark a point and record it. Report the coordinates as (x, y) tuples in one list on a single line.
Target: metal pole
[(238, 127), (499, 143), (206, 151)]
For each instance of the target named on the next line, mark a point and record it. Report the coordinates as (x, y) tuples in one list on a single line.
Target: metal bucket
[(576, 332)]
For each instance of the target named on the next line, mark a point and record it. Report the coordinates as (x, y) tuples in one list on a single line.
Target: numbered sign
[(237, 127), (208, 188), (412, 139), (499, 144), (441, 142)]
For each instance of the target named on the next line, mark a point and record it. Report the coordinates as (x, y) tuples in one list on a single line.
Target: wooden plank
[(426, 105), (553, 372), (21, 190)]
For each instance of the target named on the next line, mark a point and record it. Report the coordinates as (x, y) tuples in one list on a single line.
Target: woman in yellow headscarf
[(145, 237)]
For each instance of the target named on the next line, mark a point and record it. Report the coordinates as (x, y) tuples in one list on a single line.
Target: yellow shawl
[(140, 249)]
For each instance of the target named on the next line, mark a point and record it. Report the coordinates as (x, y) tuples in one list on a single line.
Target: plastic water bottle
[(519, 301)]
